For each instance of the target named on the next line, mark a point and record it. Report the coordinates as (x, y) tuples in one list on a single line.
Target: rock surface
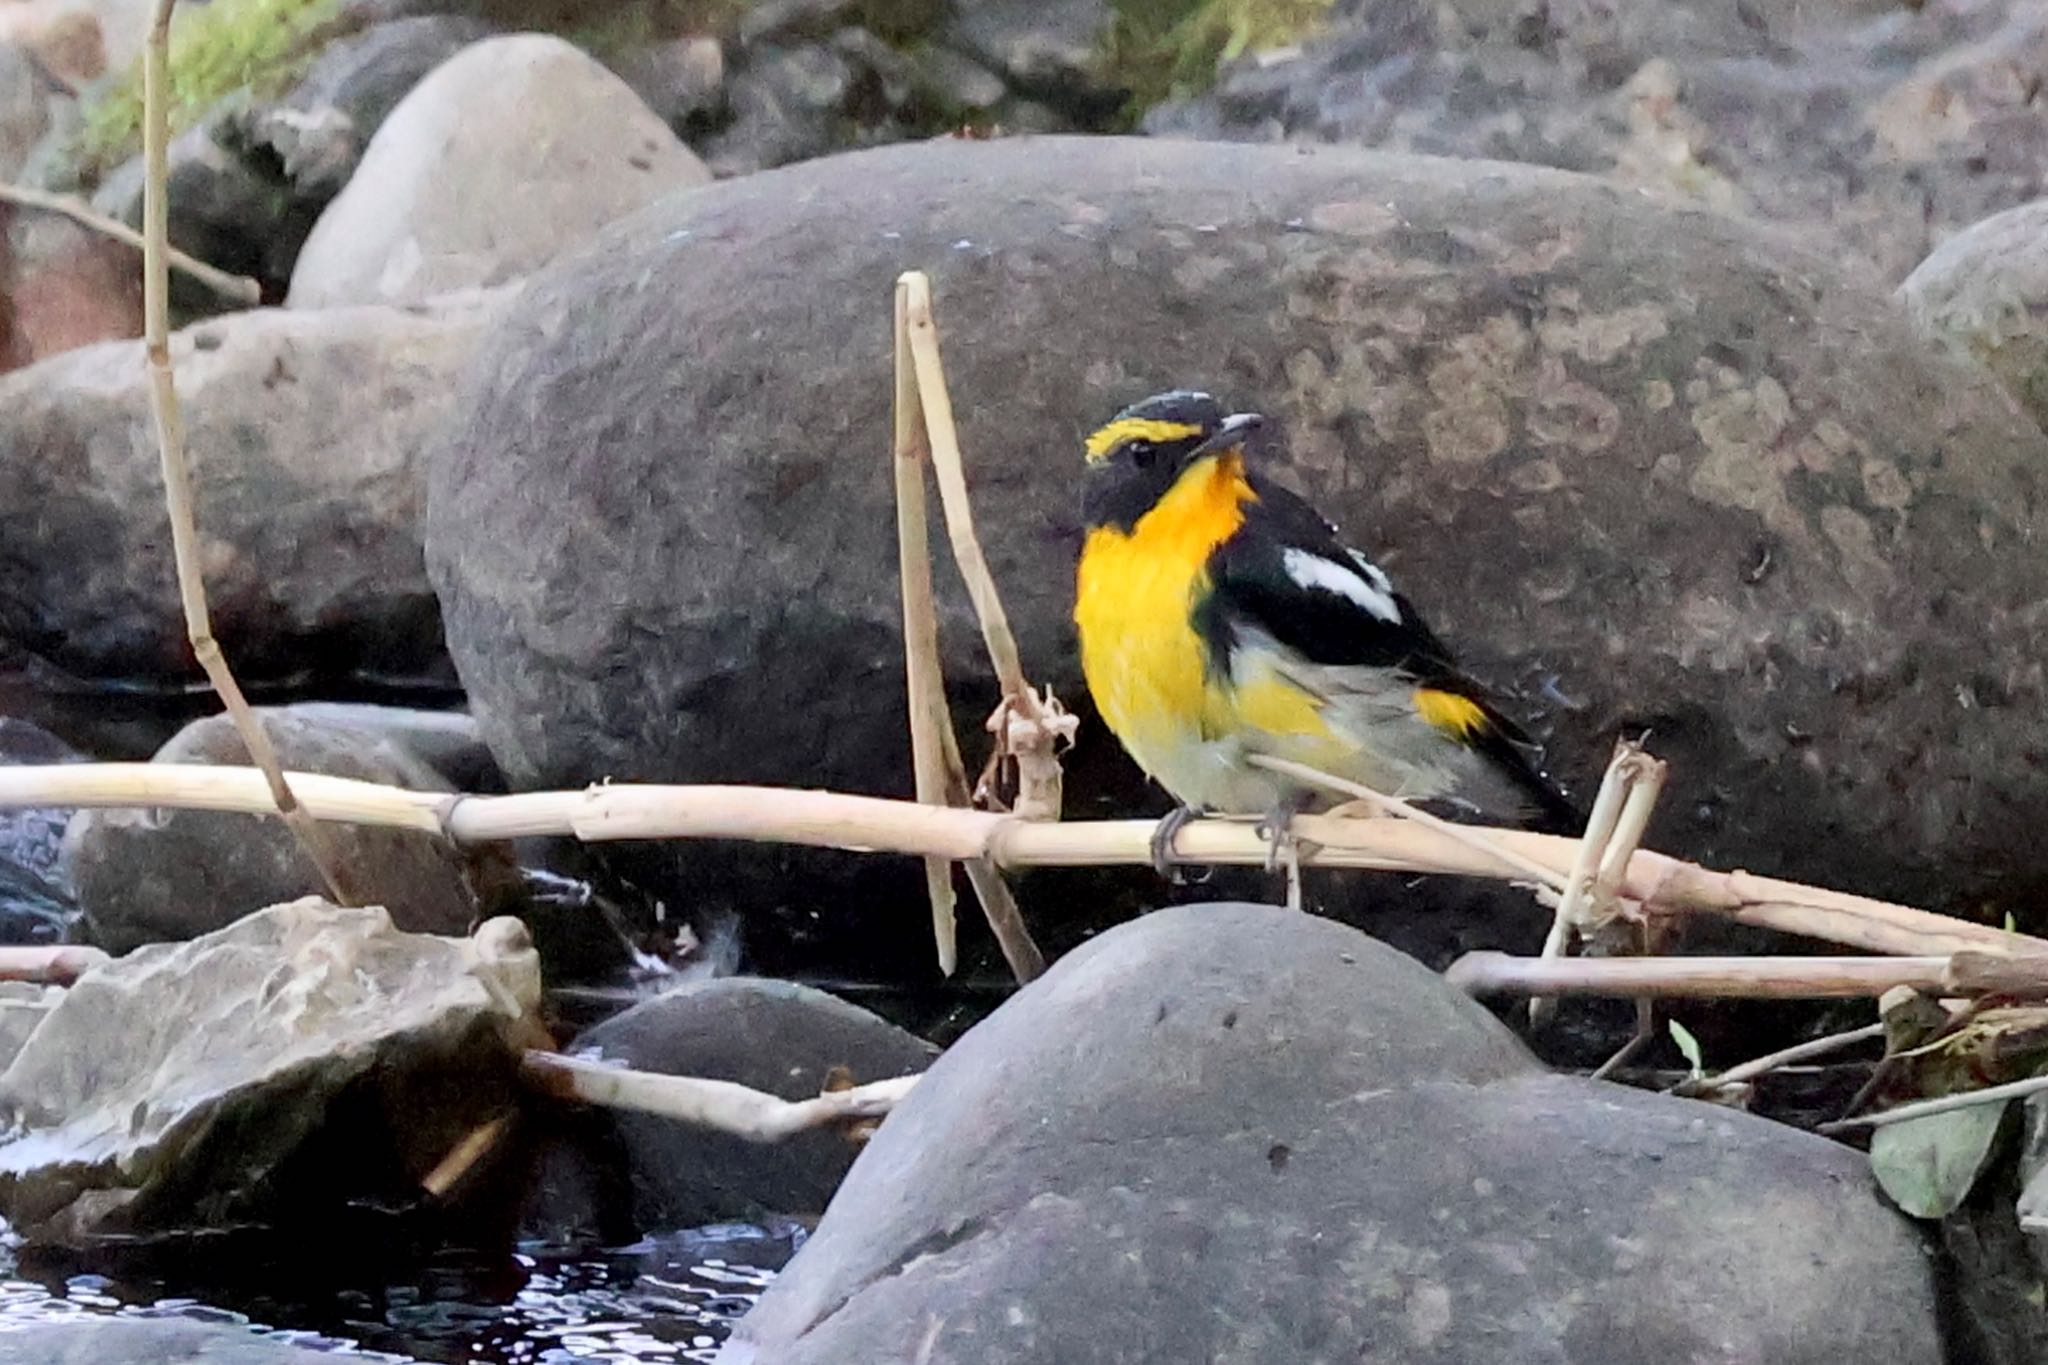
[(514, 149), (67, 286), (89, 1340), (304, 433), (1645, 468), (769, 1035), (214, 1082), (37, 903), (1232, 1132), (157, 875), (1877, 125), (1985, 292)]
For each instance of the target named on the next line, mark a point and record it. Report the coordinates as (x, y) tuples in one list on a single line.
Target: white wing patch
[(1366, 586)]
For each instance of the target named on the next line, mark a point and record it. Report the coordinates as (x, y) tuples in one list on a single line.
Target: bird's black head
[(1136, 456)]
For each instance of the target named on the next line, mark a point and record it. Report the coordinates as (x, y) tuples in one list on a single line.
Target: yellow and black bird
[(1221, 617)]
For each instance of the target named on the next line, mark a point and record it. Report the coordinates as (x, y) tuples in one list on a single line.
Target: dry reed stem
[(930, 718), (478, 1143), (1660, 883), (1990, 1094), (170, 435), (1026, 725), (1641, 978), (57, 965), (935, 752), (723, 1106), (1600, 826), (1771, 1061), (235, 288)]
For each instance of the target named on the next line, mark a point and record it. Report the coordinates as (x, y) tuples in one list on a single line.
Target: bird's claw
[(1163, 835)]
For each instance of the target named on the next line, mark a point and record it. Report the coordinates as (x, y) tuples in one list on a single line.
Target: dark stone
[(151, 876), (1233, 1132), (788, 104), (1644, 468), (1052, 49), (318, 131), (1873, 125), (769, 1035), (37, 904)]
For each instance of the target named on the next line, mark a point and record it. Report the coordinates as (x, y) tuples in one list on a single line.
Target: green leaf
[(1928, 1165), (2011, 925), (1689, 1046)]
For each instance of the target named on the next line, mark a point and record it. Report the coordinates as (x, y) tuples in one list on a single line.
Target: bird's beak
[(1231, 433)]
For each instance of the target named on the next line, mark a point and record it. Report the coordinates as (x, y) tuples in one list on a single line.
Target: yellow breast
[(1135, 593)]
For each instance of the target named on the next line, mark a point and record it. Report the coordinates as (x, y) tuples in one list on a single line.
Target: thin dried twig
[(1969, 1099), (1491, 973), (873, 824), (235, 288), (723, 1106), (1773, 1061), (1600, 824), (478, 1143), (1471, 836), (1028, 726), (170, 435), (935, 752)]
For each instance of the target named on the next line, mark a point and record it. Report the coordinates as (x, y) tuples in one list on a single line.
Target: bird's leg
[(1163, 835), (1282, 846)]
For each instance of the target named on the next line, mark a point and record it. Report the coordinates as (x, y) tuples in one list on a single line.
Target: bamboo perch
[(834, 820), (177, 474), (1491, 973), (723, 1106)]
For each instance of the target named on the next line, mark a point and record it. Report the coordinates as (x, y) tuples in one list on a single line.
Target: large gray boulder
[(1984, 291), (1644, 467), (304, 432), (510, 151), (1869, 124), (305, 1057), (85, 1339), (151, 875), (1236, 1133)]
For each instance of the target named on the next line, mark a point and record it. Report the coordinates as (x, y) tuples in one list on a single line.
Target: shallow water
[(667, 1298)]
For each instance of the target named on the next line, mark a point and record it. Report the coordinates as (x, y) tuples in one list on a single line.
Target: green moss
[(1160, 49), (217, 49)]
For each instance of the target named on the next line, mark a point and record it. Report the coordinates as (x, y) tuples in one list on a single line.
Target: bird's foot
[(1163, 835), (1283, 847)]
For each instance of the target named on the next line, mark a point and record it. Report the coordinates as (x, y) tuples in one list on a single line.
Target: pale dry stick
[(1606, 813), (1491, 973), (170, 436), (1946, 1104), (235, 288), (874, 824), (478, 1143), (1647, 785), (1026, 724), (930, 718), (935, 751), (1774, 1061), (1471, 836), (1646, 1029), (723, 1106)]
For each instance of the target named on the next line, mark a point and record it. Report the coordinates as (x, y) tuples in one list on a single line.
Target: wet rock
[(1985, 292), (1646, 468), (775, 1036), (85, 1339), (152, 876), (1113, 1168), (304, 433), (318, 132), (1876, 125), (37, 904), (300, 1059), (23, 1005), (518, 147)]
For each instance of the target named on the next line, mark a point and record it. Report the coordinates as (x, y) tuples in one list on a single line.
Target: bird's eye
[(1142, 453)]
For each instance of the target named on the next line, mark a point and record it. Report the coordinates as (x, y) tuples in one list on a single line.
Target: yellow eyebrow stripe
[(1449, 712), (1137, 429)]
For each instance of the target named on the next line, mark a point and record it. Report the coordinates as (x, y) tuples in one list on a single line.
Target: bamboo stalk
[(1491, 973), (723, 1106), (236, 288), (170, 435), (930, 718), (874, 824), (1593, 841)]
